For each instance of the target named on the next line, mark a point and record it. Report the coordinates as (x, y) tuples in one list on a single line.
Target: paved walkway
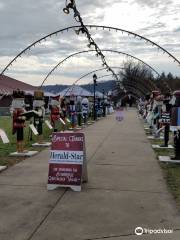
[(126, 189)]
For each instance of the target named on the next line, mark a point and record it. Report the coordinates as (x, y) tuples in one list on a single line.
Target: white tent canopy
[(98, 94), (76, 91)]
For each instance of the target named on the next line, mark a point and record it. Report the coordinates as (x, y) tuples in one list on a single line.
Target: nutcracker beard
[(55, 116)]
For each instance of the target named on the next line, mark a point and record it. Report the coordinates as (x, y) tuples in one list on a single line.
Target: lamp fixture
[(68, 6)]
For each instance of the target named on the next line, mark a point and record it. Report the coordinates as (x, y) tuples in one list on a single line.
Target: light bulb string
[(85, 31)]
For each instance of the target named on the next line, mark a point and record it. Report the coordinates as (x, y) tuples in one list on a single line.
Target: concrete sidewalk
[(126, 190)]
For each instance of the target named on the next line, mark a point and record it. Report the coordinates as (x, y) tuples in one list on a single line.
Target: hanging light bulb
[(68, 6), (66, 10), (77, 31), (102, 56), (77, 16), (90, 44)]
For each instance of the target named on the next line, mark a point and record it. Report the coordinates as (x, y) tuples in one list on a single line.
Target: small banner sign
[(165, 118), (3, 136), (48, 124), (62, 121), (34, 130), (67, 157)]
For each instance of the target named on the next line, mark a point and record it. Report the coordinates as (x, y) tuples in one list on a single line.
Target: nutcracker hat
[(176, 93), (57, 98), (155, 93), (18, 94), (38, 95)]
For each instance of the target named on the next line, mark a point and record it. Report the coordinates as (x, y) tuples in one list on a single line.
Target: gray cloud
[(153, 3), (23, 22)]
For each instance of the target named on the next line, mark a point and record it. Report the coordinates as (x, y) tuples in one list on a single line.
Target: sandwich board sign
[(67, 164)]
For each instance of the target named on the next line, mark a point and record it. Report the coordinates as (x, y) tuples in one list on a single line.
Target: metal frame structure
[(103, 50), (138, 82), (151, 83), (91, 26)]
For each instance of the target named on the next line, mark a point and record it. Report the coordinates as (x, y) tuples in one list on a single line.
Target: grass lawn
[(171, 172), (6, 149)]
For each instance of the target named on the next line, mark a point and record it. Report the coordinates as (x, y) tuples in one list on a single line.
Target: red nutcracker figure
[(19, 120), (55, 112)]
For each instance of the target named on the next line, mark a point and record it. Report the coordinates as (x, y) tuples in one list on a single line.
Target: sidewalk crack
[(46, 216)]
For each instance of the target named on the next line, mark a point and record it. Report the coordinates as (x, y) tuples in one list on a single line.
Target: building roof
[(76, 91), (46, 94), (8, 84)]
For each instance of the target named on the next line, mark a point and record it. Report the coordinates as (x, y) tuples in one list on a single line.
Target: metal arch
[(73, 85), (136, 88), (151, 85), (134, 95), (139, 86), (107, 75), (92, 26), (150, 82), (103, 50), (94, 71), (143, 90), (144, 87), (139, 83), (135, 91)]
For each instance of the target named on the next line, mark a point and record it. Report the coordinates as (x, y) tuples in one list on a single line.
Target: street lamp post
[(103, 105), (94, 104)]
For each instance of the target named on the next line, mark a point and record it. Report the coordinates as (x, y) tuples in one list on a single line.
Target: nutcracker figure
[(175, 122), (79, 110), (63, 106), (157, 109), (152, 110), (63, 114), (85, 109), (146, 106), (38, 105), (55, 113), (165, 118), (72, 111), (18, 109)]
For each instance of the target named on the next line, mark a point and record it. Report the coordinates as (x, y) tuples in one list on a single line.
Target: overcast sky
[(25, 21)]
